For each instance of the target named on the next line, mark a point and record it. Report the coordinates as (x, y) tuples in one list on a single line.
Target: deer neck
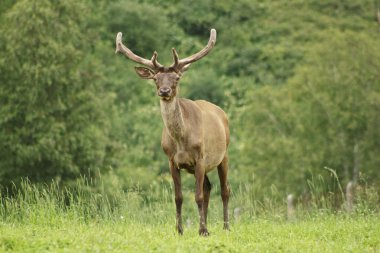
[(172, 117)]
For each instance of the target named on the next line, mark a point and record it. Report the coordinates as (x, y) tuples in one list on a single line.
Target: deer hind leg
[(199, 197), (225, 189), (206, 196), (178, 195)]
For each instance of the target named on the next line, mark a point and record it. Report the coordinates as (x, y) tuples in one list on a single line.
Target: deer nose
[(164, 91)]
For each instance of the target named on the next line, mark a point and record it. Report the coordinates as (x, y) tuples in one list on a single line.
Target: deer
[(195, 134)]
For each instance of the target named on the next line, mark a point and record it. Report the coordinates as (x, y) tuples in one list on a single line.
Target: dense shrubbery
[(299, 81), (54, 111)]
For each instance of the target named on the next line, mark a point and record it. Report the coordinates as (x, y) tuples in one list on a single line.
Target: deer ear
[(144, 73)]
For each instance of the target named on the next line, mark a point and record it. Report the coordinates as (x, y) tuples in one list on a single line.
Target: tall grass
[(84, 201), (106, 200)]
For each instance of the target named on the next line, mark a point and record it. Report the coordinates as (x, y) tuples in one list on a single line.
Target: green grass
[(326, 234), (49, 219)]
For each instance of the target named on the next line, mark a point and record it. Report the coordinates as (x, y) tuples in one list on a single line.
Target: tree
[(53, 112), (337, 93), (325, 116)]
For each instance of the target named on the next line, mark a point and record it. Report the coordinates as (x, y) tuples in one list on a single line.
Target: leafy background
[(299, 80)]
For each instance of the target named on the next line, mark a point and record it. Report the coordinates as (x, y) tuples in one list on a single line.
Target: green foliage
[(299, 81), (338, 110), (136, 20), (53, 110), (325, 116)]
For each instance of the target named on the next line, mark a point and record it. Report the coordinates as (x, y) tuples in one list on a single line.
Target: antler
[(121, 48), (185, 63)]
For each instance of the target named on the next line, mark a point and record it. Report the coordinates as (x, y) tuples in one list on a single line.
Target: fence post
[(237, 212), (350, 195), (291, 207)]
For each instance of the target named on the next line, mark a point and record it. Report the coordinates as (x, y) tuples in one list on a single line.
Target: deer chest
[(183, 158)]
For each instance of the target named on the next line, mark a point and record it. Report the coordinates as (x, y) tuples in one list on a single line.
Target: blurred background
[(299, 80)]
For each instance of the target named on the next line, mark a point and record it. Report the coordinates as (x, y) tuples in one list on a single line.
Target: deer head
[(166, 78)]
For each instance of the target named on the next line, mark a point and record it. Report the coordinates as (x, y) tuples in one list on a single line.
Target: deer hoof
[(226, 227), (180, 230), (203, 232)]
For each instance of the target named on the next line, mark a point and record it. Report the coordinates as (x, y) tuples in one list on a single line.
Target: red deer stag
[(195, 136)]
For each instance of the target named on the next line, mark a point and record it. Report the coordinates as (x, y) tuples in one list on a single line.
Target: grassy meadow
[(323, 234), (49, 219)]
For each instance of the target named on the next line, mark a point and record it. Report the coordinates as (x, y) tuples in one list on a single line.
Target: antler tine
[(195, 57), (175, 57), (156, 64), (378, 16), (121, 48)]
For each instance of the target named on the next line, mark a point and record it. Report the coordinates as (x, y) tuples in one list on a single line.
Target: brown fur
[(195, 136)]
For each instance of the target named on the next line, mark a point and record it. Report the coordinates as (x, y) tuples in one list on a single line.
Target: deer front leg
[(199, 197), (178, 196)]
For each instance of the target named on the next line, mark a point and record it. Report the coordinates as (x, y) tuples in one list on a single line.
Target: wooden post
[(237, 212), (291, 207), (188, 223), (350, 192)]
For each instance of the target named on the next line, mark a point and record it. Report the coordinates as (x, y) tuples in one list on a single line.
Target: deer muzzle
[(165, 92)]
